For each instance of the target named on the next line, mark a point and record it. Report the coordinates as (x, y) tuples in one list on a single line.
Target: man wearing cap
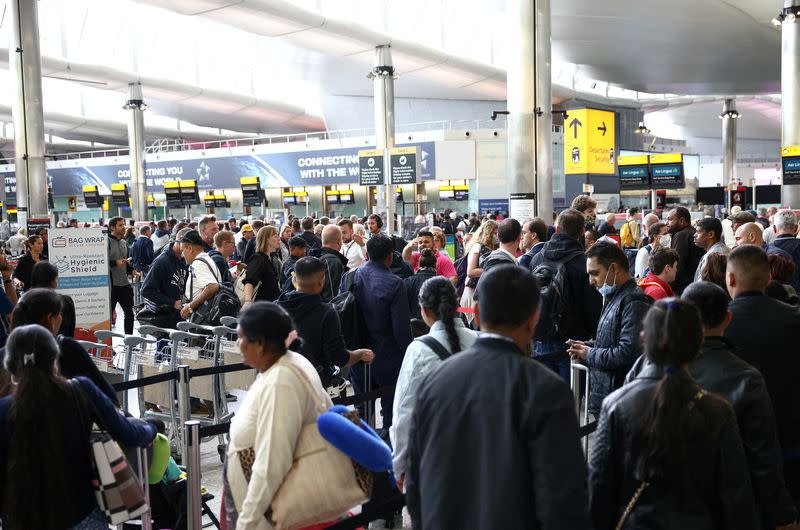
[(241, 246), (737, 218), (165, 281), (202, 280)]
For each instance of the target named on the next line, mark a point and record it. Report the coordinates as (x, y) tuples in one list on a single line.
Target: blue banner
[(302, 168)]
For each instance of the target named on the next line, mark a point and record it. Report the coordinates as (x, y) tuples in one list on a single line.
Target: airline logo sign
[(589, 140)]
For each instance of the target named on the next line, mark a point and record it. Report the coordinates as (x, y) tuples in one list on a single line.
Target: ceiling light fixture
[(730, 114), (788, 13), (132, 104), (641, 129)]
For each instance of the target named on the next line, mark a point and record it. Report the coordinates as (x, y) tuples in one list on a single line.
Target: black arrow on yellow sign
[(575, 123), (603, 128)]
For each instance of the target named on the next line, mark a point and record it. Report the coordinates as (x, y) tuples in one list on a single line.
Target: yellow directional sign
[(589, 140)]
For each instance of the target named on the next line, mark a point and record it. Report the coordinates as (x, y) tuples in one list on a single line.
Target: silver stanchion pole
[(144, 468), (191, 434), (184, 406)]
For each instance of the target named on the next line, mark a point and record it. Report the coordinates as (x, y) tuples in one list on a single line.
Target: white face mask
[(665, 240)]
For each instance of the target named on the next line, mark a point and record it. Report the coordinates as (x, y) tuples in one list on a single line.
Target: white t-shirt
[(354, 254), (202, 272)]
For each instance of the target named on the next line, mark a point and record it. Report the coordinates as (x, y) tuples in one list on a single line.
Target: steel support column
[(790, 88), (544, 115), (136, 147), (383, 87), (729, 118), (26, 63), (521, 88)]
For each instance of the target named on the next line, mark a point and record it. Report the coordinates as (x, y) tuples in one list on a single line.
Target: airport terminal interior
[(231, 215)]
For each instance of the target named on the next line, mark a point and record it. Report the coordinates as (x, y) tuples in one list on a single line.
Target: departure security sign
[(405, 165), (370, 165), (589, 140), (791, 164)]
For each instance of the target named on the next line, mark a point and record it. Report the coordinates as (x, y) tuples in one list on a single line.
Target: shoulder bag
[(116, 487), (322, 484)]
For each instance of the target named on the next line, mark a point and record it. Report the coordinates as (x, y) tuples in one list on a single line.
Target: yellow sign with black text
[(589, 140)]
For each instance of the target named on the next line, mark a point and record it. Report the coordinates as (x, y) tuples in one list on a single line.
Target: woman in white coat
[(268, 422)]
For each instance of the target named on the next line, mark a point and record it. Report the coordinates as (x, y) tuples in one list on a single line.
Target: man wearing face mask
[(617, 345)]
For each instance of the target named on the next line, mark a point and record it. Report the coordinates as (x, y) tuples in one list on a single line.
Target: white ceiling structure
[(222, 63), (605, 51)]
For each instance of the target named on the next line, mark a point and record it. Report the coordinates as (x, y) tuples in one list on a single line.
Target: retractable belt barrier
[(173, 376)]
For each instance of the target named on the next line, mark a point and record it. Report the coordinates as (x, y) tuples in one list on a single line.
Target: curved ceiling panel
[(201, 106)]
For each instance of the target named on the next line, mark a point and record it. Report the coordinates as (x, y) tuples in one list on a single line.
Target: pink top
[(444, 267)]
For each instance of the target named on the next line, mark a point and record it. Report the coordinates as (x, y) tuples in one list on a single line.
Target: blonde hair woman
[(261, 280), (286, 234), (480, 244)]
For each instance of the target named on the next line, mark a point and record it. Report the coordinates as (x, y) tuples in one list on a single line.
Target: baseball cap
[(247, 228), (192, 237), (742, 217)]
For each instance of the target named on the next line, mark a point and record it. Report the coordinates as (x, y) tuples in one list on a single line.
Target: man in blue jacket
[(142, 251), (164, 283), (786, 240), (382, 298)]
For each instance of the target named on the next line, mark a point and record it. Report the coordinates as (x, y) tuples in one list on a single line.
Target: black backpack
[(351, 317), (552, 278), (223, 304)]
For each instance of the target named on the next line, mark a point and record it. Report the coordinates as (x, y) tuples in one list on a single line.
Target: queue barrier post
[(576, 369), (191, 434), (184, 404), (144, 466)]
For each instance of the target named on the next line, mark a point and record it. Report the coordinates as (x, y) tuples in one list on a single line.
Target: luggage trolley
[(575, 384), (106, 364)]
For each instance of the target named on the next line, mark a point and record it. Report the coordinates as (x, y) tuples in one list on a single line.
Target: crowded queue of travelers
[(688, 343)]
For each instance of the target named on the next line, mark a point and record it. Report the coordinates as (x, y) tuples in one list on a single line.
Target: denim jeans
[(554, 356)]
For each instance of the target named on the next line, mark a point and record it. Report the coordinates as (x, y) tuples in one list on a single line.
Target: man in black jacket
[(512, 460), (718, 370), (786, 240), (297, 250), (166, 279), (764, 334), (333, 259), (317, 322), (308, 233), (617, 343), (581, 303), (680, 226)]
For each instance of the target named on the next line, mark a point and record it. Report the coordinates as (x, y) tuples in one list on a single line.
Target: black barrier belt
[(376, 511), (363, 397), (145, 381), (224, 369), (588, 429), (215, 430)]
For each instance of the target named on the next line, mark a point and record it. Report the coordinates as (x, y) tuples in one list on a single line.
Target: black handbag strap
[(435, 345)]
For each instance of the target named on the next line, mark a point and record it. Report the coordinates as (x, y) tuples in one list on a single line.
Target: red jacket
[(655, 287)]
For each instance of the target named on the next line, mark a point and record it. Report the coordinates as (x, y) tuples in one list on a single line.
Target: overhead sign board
[(252, 194), (666, 171), (119, 195), (370, 167), (189, 193), (589, 140), (173, 192), (634, 172), (791, 164), (405, 165), (91, 197)]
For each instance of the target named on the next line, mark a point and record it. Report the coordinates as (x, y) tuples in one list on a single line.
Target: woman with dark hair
[(448, 335), (268, 423), (44, 437), (44, 307), (34, 247), (714, 269), (426, 271), (667, 453), (658, 238), (130, 235), (45, 275)]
